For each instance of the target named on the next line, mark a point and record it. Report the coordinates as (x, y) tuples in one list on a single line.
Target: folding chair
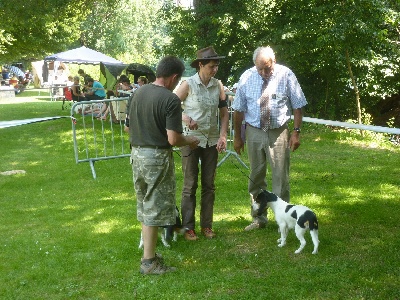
[(67, 95)]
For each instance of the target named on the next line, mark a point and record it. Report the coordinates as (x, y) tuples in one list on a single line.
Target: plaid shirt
[(284, 92)]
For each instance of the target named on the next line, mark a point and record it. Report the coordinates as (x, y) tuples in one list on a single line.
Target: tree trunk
[(353, 80)]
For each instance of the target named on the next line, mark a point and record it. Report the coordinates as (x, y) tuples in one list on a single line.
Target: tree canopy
[(124, 29), (337, 49), (35, 28), (346, 53)]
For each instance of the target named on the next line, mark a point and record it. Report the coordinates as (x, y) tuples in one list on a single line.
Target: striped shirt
[(284, 92), (16, 71)]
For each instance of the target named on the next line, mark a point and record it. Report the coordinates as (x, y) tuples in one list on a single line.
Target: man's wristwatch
[(297, 129)]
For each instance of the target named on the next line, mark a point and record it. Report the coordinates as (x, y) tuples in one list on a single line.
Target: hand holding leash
[(192, 124)]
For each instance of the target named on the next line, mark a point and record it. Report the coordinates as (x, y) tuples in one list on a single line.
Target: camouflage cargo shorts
[(155, 185)]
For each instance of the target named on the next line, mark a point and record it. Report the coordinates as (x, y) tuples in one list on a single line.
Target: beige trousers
[(268, 150)]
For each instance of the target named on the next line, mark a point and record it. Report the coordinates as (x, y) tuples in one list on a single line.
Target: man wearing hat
[(203, 97)]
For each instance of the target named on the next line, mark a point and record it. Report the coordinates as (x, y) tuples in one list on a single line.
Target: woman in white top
[(203, 100)]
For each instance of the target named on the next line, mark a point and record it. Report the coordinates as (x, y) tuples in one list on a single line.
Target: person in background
[(202, 98), (85, 76), (17, 72), (266, 97), (28, 76), (95, 91), (5, 73), (124, 87), (234, 87), (142, 80), (77, 94), (70, 81), (152, 158)]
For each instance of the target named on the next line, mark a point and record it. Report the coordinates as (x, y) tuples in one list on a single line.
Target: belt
[(151, 147), (247, 124)]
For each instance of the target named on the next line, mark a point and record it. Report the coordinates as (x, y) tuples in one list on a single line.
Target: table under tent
[(110, 68)]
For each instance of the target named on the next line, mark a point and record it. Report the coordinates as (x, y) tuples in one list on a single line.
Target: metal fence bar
[(229, 139), (96, 139)]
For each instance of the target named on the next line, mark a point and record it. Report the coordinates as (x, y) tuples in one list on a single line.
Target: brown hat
[(205, 54)]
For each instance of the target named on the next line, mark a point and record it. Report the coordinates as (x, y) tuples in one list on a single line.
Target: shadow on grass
[(67, 235)]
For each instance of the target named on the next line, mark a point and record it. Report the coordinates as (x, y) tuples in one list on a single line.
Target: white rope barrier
[(351, 125), (5, 124), (344, 124)]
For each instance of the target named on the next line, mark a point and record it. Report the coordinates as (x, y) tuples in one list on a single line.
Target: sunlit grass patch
[(65, 235)]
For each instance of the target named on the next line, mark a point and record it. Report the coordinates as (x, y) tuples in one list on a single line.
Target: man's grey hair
[(265, 51)]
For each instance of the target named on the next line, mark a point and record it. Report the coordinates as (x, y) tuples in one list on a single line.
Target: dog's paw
[(278, 240), (166, 244), (315, 252), (281, 245), (298, 251)]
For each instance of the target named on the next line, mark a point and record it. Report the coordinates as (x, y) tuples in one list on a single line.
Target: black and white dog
[(169, 232), (289, 216)]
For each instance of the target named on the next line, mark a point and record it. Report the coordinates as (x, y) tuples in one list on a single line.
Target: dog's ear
[(262, 200), (271, 197)]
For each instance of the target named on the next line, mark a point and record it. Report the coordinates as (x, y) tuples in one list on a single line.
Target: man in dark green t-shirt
[(155, 126)]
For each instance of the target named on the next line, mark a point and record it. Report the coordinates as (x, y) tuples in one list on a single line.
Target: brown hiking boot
[(208, 233), (154, 267), (190, 235)]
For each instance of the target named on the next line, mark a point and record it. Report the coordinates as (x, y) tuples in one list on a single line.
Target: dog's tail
[(177, 227), (169, 231)]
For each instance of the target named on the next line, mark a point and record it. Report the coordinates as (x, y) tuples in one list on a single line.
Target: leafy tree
[(342, 43), (126, 29), (339, 50), (35, 28), (231, 26)]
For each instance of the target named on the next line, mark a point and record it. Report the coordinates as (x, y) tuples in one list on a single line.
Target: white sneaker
[(254, 225)]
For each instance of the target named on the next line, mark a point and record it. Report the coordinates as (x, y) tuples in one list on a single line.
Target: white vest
[(201, 105)]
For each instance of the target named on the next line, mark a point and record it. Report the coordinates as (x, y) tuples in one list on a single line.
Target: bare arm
[(294, 141), (179, 140), (182, 92), (224, 120), (224, 117), (238, 143)]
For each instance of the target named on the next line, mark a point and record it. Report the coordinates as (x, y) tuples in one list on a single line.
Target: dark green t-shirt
[(153, 110)]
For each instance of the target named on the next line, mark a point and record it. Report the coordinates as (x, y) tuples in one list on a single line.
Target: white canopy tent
[(82, 55)]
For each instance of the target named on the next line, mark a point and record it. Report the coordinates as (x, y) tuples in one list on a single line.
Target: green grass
[(65, 235)]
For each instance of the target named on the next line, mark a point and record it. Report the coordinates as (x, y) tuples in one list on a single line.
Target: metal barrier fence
[(97, 139)]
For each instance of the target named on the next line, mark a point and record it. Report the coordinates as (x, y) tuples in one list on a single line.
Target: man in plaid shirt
[(266, 97)]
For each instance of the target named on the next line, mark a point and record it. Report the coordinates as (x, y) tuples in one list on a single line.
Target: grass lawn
[(65, 235)]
